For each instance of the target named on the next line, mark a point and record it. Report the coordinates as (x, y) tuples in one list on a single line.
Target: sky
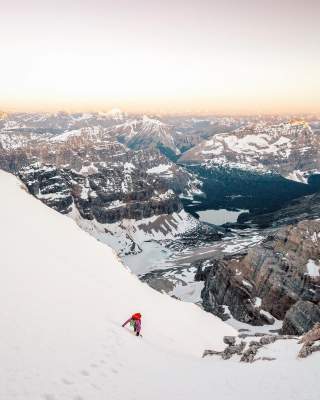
[(198, 56)]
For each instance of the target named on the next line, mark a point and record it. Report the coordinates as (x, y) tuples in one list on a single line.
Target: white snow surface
[(298, 176), (313, 269), (159, 169), (63, 297)]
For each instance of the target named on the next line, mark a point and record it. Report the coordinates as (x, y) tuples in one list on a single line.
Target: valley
[(178, 199)]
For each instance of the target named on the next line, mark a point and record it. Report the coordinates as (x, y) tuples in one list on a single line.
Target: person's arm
[(126, 322)]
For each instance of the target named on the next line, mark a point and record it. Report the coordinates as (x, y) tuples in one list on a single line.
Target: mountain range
[(131, 180)]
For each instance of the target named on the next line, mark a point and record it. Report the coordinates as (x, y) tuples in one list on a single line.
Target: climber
[(135, 322)]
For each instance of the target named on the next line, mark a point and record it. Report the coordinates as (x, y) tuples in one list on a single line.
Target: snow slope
[(63, 296)]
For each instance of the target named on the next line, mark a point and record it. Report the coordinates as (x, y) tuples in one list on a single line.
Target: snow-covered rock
[(119, 204), (146, 132), (291, 149)]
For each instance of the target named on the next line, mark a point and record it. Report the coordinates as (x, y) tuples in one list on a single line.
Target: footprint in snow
[(114, 371), (47, 396), (67, 382)]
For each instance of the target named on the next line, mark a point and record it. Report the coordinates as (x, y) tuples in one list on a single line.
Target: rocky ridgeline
[(290, 149), (108, 195), (89, 149), (248, 350), (278, 278), (101, 177)]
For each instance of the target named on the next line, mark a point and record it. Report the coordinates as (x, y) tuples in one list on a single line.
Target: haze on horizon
[(204, 56)]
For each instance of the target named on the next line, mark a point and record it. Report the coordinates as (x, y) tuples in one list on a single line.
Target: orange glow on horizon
[(176, 56)]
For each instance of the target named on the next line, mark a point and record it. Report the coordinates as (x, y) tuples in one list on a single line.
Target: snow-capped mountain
[(146, 132), (291, 149), (60, 121), (64, 297), (115, 114), (81, 148), (122, 197)]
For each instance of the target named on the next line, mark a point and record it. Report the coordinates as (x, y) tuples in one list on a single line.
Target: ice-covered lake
[(219, 217)]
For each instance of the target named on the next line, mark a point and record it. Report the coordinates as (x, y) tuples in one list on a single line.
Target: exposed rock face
[(225, 287), (292, 149), (311, 342), (272, 276), (86, 150), (313, 335), (107, 195), (301, 317), (146, 132)]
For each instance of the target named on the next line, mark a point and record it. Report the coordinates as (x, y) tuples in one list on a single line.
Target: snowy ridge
[(12, 141), (145, 132), (89, 132), (291, 149), (127, 236)]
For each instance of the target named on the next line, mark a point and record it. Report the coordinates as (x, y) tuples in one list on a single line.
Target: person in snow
[(135, 322)]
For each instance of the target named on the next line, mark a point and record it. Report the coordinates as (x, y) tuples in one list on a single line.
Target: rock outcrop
[(269, 279), (108, 195), (311, 342), (301, 317), (248, 351), (225, 286), (290, 149)]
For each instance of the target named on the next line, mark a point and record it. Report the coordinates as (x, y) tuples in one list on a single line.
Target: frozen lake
[(219, 217)]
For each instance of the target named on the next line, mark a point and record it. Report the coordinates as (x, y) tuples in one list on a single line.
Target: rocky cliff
[(290, 149), (269, 279), (107, 195)]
